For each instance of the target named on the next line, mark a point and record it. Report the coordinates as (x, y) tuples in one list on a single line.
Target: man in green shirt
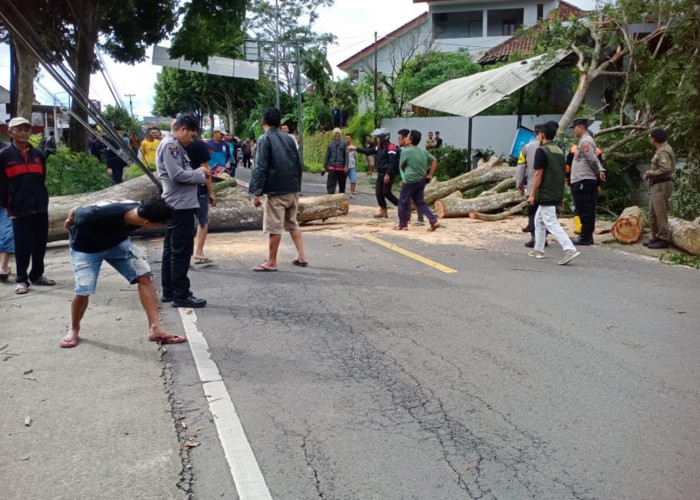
[(417, 168), (548, 192)]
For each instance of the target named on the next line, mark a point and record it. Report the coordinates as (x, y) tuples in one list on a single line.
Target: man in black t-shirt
[(198, 151), (101, 232)]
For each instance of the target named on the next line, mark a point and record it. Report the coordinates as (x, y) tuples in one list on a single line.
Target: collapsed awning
[(470, 95)]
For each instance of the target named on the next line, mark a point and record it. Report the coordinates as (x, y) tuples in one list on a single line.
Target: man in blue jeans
[(101, 232)]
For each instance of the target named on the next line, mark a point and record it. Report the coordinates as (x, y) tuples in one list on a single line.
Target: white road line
[(245, 470)]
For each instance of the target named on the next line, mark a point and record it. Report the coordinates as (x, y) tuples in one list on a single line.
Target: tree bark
[(234, 210), (27, 63), (685, 235), (500, 187), (503, 215), (456, 207), (584, 82), (482, 175), (628, 227)]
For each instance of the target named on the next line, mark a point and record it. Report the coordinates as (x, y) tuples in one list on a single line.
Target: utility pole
[(300, 128), (131, 106), (375, 80), (277, 56)]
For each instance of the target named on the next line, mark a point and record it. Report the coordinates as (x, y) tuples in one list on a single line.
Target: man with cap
[(387, 162), (660, 179), (586, 172), (24, 195), (220, 155)]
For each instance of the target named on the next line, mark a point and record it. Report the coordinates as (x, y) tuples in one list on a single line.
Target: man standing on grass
[(548, 191), (277, 174), (101, 232), (418, 168)]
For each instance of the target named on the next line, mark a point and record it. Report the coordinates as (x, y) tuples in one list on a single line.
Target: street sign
[(221, 66)]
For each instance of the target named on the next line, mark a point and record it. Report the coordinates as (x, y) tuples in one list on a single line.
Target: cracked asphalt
[(370, 375)]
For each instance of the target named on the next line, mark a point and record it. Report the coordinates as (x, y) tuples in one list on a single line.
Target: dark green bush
[(75, 173), (685, 201), (451, 162)]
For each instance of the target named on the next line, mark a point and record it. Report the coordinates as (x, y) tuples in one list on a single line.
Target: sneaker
[(536, 254), (568, 257)]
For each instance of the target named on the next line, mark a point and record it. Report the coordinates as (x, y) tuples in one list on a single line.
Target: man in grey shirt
[(586, 172), (524, 178), (180, 184)]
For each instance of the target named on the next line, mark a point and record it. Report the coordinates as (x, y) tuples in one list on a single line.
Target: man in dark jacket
[(336, 163), (23, 193), (277, 174), (115, 163), (387, 162)]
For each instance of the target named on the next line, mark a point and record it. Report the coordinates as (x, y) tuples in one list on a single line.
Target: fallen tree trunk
[(460, 207), (503, 215), (234, 210), (482, 175), (685, 235), (628, 227), (501, 187)]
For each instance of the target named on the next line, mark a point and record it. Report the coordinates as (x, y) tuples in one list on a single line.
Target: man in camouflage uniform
[(660, 178), (586, 172)]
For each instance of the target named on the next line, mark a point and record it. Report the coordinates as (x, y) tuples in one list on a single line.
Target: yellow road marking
[(403, 251)]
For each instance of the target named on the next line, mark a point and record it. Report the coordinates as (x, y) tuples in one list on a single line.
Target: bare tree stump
[(685, 235), (628, 227), (460, 207), (503, 215)]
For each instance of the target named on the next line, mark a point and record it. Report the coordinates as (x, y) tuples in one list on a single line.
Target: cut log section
[(234, 209), (503, 215), (501, 187), (628, 227), (685, 235), (460, 207), (437, 190)]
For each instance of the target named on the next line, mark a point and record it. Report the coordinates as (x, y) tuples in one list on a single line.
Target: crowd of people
[(185, 166)]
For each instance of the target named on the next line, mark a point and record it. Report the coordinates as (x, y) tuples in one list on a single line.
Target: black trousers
[(585, 195), (531, 211), (31, 233), (177, 252), (336, 177), (117, 174), (383, 191)]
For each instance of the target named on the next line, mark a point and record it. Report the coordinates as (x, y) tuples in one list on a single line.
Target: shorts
[(202, 212), (7, 236), (281, 213), (128, 260), (352, 175)]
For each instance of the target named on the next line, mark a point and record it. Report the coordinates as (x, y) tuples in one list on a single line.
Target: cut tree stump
[(629, 226), (437, 190), (503, 215), (685, 235), (234, 210), (460, 207)]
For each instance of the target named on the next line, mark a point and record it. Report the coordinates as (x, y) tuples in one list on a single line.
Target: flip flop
[(21, 288), (299, 263), (170, 339), (199, 262), (68, 343), (43, 281), (263, 269)]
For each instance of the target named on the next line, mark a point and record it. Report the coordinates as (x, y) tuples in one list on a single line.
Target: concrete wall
[(490, 132)]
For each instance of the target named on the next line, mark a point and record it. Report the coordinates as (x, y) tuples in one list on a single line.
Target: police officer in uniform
[(180, 188), (660, 178), (586, 172), (524, 178)]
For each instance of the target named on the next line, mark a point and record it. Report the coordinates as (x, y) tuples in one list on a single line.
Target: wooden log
[(685, 235), (628, 227), (501, 187), (503, 215), (456, 207), (437, 190), (234, 210)]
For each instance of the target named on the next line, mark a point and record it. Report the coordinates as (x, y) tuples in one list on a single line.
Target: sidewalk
[(100, 417)]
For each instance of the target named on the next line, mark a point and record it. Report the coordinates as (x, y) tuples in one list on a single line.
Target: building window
[(540, 11), (508, 27)]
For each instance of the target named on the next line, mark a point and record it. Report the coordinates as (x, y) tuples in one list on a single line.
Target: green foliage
[(360, 126), (685, 201), (317, 69), (75, 173), (680, 259), (451, 162), (315, 146), (316, 114), (34, 140), (120, 117)]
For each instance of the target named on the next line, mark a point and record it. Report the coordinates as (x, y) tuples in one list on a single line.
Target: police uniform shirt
[(525, 174), (585, 165), (175, 172)]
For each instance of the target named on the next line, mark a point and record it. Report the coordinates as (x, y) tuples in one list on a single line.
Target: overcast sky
[(352, 21)]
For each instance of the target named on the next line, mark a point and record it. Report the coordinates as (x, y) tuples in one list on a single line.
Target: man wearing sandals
[(101, 232), (278, 175), (24, 195), (417, 168)]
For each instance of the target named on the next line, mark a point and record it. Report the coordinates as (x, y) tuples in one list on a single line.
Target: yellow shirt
[(148, 150)]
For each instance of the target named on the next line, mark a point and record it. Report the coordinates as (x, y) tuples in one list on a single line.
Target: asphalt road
[(372, 375)]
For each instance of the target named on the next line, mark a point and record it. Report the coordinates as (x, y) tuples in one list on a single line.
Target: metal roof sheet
[(470, 95)]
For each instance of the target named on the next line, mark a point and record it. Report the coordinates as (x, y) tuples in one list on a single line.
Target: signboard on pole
[(220, 66)]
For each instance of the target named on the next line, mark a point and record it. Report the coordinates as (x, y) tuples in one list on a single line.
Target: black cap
[(580, 121)]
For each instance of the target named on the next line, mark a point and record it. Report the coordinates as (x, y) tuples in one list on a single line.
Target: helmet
[(382, 133)]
